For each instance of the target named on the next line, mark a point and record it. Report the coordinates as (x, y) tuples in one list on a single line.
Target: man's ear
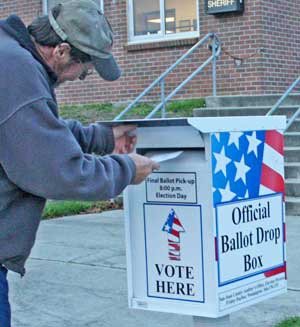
[(62, 51)]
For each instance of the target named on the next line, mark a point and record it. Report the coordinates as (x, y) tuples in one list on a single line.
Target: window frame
[(45, 6), (138, 39)]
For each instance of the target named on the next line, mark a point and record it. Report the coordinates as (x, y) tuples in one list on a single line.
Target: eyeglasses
[(86, 71)]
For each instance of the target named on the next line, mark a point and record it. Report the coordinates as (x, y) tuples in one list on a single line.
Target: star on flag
[(240, 166)]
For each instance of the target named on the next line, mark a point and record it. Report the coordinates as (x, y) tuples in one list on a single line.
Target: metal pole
[(162, 95), (214, 67), (287, 92), (45, 7), (292, 119), (158, 107), (162, 76), (211, 322)]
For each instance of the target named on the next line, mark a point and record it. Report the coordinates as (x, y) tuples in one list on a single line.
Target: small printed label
[(142, 304), (171, 188), (250, 292)]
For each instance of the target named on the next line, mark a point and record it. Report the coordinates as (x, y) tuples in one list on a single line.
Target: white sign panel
[(173, 234), (250, 237), (171, 187)]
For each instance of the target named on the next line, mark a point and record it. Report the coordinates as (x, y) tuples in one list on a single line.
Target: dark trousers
[(5, 314)]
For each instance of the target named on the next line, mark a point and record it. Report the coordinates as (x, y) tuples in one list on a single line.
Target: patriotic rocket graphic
[(173, 227)]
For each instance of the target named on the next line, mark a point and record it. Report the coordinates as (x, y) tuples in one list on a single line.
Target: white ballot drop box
[(205, 234)]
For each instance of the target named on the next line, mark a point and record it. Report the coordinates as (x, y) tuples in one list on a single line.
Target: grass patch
[(96, 112), (55, 209), (291, 322), (185, 106)]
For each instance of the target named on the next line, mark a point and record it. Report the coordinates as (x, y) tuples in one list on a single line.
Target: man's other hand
[(144, 167), (125, 138)]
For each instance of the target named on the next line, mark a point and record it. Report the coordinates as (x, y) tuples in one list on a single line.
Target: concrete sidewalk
[(76, 277)]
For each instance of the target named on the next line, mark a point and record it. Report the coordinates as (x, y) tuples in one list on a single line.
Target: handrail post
[(174, 92), (162, 97), (214, 65), (283, 97), (292, 119), (280, 101), (216, 49)]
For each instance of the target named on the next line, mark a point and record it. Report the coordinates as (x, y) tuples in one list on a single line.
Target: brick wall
[(281, 34), (265, 37), (27, 9)]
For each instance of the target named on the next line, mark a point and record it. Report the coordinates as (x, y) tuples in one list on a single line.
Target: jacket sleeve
[(94, 138), (41, 156)]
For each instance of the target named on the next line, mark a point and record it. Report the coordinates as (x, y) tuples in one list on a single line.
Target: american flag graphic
[(173, 227), (247, 165)]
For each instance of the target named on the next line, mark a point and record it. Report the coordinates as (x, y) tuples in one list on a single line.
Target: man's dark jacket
[(42, 156)]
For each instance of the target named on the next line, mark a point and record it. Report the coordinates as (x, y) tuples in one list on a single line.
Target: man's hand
[(144, 167), (125, 139)]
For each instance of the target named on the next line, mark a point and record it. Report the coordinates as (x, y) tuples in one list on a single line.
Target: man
[(41, 155)]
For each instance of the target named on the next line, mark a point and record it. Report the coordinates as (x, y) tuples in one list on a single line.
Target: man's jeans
[(4, 304)]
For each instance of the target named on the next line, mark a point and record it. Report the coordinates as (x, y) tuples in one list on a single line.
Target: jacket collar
[(14, 26)]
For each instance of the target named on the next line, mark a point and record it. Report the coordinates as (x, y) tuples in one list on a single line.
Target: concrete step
[(295, 127), (292, 187), (292, 138), (292, 170), (292, 206), (230, 111), (250, 100), (287, 111), (292, 154)]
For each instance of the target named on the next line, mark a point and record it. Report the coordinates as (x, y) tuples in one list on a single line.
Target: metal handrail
[(280, 101), (216, 50)]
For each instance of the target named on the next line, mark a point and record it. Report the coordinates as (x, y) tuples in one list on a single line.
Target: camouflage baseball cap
[(82, 24)]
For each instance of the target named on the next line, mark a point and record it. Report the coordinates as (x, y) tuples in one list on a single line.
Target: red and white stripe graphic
[(174, 239), (272, 174), (174, 250)]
